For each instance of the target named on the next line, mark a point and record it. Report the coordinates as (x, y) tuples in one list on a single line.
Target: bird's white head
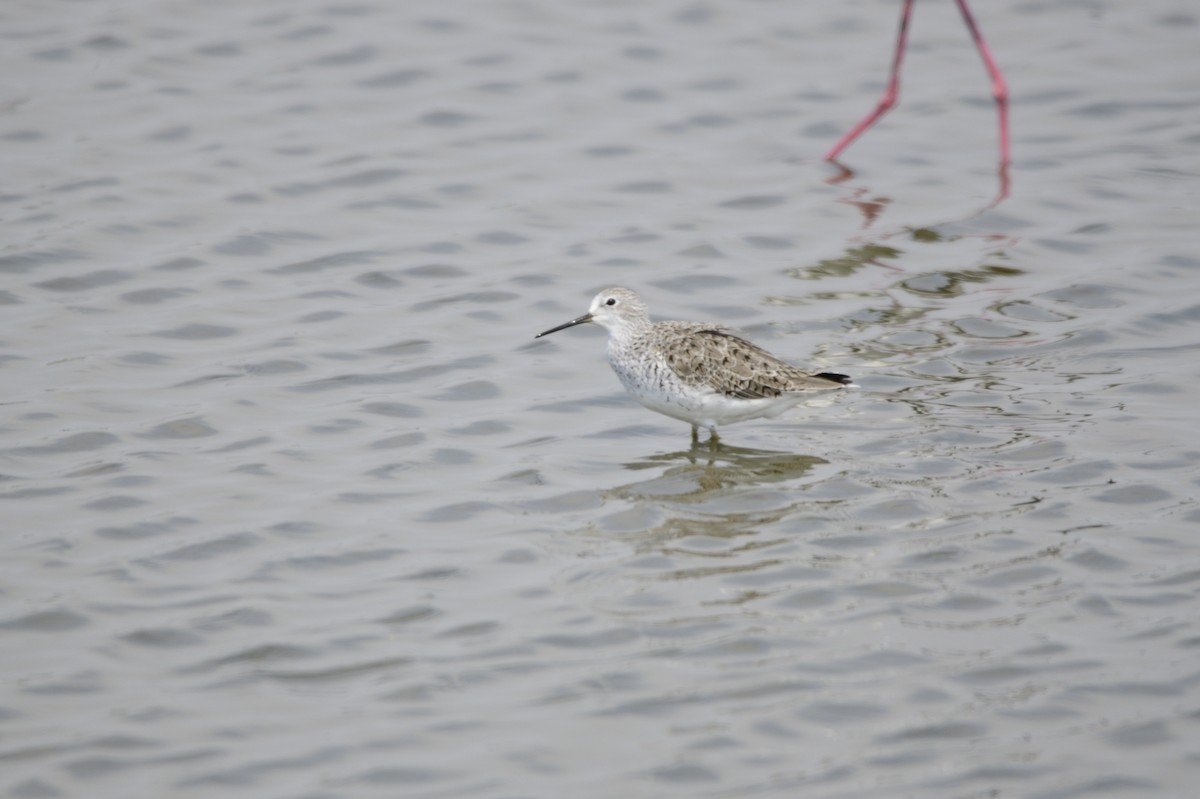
[(616, 309)]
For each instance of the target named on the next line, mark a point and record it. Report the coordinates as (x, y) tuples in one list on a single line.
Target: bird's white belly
[(659, 389)]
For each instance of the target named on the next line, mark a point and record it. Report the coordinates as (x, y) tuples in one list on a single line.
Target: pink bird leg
[(999, 86), (892, 93)]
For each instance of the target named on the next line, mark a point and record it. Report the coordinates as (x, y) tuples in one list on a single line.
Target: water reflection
[(953, 283), (853, 259), (727, 466), (873, 207), (707, 491)]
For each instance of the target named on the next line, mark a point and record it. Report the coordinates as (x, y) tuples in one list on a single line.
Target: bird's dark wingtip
[(845, 380)]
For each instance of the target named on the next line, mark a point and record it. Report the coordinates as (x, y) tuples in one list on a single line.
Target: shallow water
[(295, 506)]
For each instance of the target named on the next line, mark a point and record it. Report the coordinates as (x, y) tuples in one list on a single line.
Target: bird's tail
[(845, 380)]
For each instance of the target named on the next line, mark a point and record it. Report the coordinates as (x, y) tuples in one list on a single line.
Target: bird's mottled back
[(713, 357)]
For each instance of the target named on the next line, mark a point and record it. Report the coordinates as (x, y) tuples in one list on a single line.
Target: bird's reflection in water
[(714, 492), (706, 469)]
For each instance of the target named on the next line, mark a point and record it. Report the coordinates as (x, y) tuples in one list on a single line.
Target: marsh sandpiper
[(703, 374)]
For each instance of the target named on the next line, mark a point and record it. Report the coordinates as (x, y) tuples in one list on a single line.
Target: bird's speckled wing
[(713, 356)]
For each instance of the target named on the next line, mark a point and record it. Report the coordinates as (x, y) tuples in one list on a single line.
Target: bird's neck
[(628, 333)]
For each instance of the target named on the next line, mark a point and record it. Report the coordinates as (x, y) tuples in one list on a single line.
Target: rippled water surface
[(295, 506)]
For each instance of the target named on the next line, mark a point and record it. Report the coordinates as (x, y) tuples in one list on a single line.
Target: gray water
[(294, 505)]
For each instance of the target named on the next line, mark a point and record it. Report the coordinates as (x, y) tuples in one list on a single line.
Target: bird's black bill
[(587, 317)]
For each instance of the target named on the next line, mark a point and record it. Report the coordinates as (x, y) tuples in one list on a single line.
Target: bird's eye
[(611, 301)]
